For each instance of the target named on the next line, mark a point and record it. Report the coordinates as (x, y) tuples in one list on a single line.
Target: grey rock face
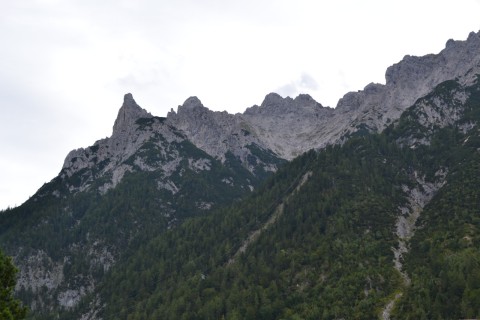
[(221, 135), (284, 127), (411, 79), (278, 128), (128, 114), (290, 127), (108, 157), (279, 125), (218, 133)]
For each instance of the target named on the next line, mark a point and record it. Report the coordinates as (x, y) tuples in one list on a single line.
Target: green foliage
[(10, 308), (445, 260), (265, 156), (327, 254), (148, 122), (118, 222)]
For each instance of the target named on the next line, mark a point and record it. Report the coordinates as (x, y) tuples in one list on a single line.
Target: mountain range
[(290, 210)]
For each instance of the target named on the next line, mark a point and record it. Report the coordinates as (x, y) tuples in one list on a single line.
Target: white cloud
[(304, 84)]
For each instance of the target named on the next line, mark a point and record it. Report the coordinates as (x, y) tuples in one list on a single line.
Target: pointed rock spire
[(128, 114), (304, 100), (192, 105), (272, 99), (192, 102)]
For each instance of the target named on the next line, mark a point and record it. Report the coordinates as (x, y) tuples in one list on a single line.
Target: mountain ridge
[(312, 126), (140, 189), (345, 245)]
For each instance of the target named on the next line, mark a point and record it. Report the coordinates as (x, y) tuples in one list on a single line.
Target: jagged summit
[(305, 100), (456, 59), (128, 98), (304, 97), (192, 102), (290, 126), (125, 190), (406, 81), (273, 99), (274, 104), (128, 114)]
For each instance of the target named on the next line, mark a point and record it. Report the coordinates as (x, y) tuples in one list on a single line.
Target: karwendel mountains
[(290, 210)]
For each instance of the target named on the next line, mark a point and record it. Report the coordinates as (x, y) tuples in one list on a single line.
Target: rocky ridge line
[(288, 127), (285, 127), (107, 157)]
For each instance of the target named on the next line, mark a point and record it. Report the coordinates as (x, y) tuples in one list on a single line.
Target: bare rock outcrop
[(281, 128), (110, 156), (289, 127), (221, 133)]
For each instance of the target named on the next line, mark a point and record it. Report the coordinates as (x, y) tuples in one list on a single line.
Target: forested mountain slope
[(347, 242), (200, 216), (110, 198)]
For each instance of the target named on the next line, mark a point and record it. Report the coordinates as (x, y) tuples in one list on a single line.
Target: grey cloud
[(307, 82), (301, 85), (287, 90)]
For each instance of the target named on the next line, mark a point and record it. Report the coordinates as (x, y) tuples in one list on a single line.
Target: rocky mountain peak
[(128, 114), (272, 99), (276, 105), (406, 81), (456, 59), (304, 97), (189, 108), (128, 98), (192, 102), (474, 36), (305, 100), (289, 126)]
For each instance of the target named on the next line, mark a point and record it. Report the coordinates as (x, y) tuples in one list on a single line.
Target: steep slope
[(332, 253), (312, 126), (136, 132), (110, 197), (287, 127), (223, 135), (444, 257), (327, 255), (122, 232)]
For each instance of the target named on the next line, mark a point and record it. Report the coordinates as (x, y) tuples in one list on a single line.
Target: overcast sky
[(65, 65)]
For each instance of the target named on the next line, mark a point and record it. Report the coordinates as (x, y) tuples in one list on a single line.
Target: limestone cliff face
[(407, 81), (280, 128), (288, 127), (113, 157), (213, 132), (221, 133), (292, 126), (127, 115), (195, 141)]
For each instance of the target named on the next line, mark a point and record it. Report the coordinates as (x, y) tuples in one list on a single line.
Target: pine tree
[(10, 308)]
